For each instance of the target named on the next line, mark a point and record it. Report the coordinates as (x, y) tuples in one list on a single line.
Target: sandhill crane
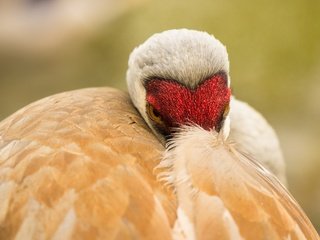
[(85, 165)]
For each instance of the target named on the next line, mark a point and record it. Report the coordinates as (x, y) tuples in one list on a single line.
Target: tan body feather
[(226, 195), (80, 165)]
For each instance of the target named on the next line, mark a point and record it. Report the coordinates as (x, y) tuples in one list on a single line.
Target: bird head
[(180, 77)]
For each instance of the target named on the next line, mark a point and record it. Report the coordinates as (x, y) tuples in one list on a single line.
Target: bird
[(177, 157)]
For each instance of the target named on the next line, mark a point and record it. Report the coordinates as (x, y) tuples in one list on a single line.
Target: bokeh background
[(50, 46)]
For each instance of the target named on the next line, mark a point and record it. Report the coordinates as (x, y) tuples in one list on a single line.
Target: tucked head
[(180, 77)]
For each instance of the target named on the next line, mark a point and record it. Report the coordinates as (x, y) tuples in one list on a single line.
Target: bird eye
[(154, 114), (226, 111)]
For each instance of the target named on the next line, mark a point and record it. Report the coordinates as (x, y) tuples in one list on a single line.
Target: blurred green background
[(48, 47)]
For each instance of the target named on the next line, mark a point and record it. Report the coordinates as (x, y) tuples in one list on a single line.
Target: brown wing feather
[(259, 205), (79, 165), (226, 195)]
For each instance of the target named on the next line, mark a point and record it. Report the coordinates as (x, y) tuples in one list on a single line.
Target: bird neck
[(188, 165)]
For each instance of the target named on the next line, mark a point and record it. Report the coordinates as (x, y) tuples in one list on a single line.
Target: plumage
[(254, 136), (227, 195), (85, 165), (78, 164)]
